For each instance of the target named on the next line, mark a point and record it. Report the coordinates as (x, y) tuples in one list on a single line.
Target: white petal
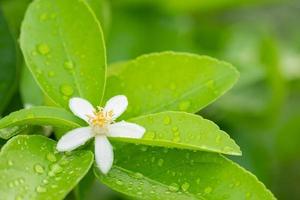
[(81, 108), (73, 139), (104, 154), (117, 104), (126, 130)]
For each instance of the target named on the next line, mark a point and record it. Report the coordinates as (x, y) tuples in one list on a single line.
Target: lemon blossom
[(101, 125)]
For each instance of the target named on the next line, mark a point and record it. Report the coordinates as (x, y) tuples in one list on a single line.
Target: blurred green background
[(259, 37)]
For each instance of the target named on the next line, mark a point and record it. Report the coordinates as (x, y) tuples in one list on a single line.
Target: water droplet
[(207, 190), (69, 65), (160, 162), (40, 189), (174, 187), (38, 169), (175, 129), (183, 106), (43, 49), (19, 197), (185, 186), (138, 175), (51, 73), (167, 120), (51, 157), (10, 163), (150, 135), (66, 90), (56, 168), (144, 148), (119, 182)]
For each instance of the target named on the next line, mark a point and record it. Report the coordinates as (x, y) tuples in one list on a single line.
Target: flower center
[(101, 118)]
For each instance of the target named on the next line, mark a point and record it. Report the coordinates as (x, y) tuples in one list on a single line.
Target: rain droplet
[(66, 90), (10, 163), (150, 135), (40, 189), (51, 157), (51, 73), (119, 182), (175, 129), (43, 49), (160, 162), (185, 186), (167, 120), (138, 175), (38, 169), (69, 65), (183, 106), (207, 190), (174, 187)]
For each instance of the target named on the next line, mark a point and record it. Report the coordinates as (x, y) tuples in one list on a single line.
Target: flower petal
[(104, 154), (117, 104), (126, 130), (73, 139), (81, 108)]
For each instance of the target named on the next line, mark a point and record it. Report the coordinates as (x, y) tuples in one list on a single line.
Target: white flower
[(101, 124)]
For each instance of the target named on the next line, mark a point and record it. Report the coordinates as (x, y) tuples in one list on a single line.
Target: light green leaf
[(8, 64), (184, 130), (157, 173), (30, 168), (65, 54), (30, 92), (169, 81), (41, 115), (101, 9)]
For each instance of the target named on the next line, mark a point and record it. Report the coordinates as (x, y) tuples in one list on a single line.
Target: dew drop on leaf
[(66, 90), (51, 73), (41, 189), (207, 190), (150, 135), (51, 157), (43, 49), (183, 106), (185, 186), (119, 182), (38, 169), (167, 120), (175, 129), (10, 163), (160, 162), (174, 187), (69, 65)]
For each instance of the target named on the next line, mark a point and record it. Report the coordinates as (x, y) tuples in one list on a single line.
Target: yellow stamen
[(101, 118)]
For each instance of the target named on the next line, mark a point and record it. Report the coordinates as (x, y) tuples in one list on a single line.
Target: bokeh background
[(261, 38)]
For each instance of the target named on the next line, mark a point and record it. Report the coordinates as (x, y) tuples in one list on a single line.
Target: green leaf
[(184, 130), (101, 9), (65, 54), (30, 92), (30, 168), (8, 64), (169, 81), (41, 115), (159, 173)]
